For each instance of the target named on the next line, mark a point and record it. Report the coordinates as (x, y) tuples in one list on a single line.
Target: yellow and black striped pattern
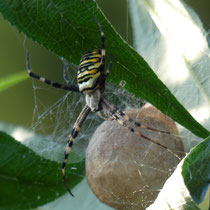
[(90, 71), (78, 124), (90, 75)]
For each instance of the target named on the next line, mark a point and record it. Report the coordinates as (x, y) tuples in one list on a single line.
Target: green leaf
[(67, 28), (10, 81), (188, 185), (174, 194), (196, 170), (28, 180)]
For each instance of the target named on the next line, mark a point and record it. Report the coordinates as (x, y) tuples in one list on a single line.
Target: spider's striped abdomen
[(90, 71)]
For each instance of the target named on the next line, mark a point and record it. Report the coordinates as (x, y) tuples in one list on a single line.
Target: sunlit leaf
[(188, 185), (195, 170), (171, 38)]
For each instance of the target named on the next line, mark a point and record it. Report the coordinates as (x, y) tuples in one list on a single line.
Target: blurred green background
[(17, 103)]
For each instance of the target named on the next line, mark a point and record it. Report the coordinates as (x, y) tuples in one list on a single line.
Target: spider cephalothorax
[(91, 77)]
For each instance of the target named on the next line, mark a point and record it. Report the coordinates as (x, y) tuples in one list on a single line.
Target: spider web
[(54, 117), (57, 119)]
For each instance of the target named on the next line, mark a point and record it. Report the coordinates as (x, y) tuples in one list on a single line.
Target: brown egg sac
[(126, 171)]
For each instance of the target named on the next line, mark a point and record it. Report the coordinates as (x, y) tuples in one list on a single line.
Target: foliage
[(67, 28), (29, 180)]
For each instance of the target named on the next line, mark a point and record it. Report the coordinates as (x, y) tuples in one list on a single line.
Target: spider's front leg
[(70, 86), (78, 124)]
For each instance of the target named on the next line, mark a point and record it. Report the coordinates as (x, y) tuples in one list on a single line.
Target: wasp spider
[(91, 78)]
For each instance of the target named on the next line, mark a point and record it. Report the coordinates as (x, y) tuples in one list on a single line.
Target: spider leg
[(130, 120), (65, 68), (49, 82), (103, 51), (78, 124), (124, 120), (105, 118), (109, 66)]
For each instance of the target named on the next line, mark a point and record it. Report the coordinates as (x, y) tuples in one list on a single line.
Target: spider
[(91, 78)]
